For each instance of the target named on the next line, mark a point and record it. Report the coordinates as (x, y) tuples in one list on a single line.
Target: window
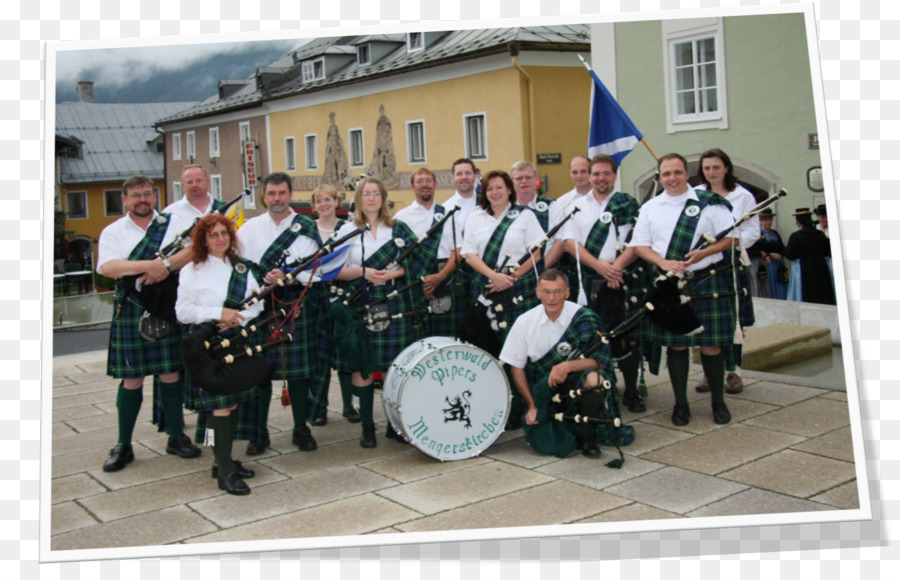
[(290, 162), (176, 191), (415, 141), (191, 149), (244, 130), (176, 147), (695, 71), (363, 54), (76, 204), (357, 153), (313, 70), (112, 203), (213, 141), (414, 41), (215, 186), (312, 159), (475, 129)]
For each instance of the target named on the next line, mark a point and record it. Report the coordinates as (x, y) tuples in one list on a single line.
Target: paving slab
[(338, 455), (74, 388), (464, 486), (146, 469), (76, 413), (779, 394), (517, 452), (758, 501), (676, 490), (793, 473), (68, 516), (558, 502), (649, 436), (267, 501), (77, 486), (631, 513), (838, 445), (843, 496), (410, 464), (167, 526), (83, 461), (807, 418), (594, 473), (348, 517), (723, 449), (701, 414)]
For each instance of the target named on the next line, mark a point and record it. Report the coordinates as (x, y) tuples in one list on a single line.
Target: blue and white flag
[(612, 132), (327, 267)]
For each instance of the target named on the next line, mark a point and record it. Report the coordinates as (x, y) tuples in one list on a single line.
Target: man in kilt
[(128, 247), (667, 229), (538, 351), (435, 258), (604, 264), (270, 240)]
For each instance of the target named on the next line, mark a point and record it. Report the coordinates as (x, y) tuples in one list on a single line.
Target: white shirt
[(533, 334), (658, 217), (257, 234), (741, 202), (524, 232), (555, 215), (184, 209), (567, 200), (372, 243), (203, 289), (466, 206), (118, 239), (583, 222), (420, 219)]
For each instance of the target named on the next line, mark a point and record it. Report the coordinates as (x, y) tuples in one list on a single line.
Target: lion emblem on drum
[(459, 409)]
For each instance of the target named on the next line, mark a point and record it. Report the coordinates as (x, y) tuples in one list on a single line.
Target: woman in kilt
[(668, 226), (211, 288), (325, 201), (370, 274)]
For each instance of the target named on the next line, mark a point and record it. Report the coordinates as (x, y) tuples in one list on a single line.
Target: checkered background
[(856, 67)]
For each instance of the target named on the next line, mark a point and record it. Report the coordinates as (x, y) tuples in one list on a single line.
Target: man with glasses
[(547, 210), (128, 247), (537, 351), (196, 201)]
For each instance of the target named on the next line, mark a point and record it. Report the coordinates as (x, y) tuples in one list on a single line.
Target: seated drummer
[(537, 350)]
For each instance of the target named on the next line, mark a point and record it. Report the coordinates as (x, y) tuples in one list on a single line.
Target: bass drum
[(448, 398)]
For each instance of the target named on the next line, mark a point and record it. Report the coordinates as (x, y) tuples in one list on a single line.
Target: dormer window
[(313, 70), (414, 41), (363, 54)]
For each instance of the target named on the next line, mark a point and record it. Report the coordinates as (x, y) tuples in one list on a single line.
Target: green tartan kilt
[(300, 359), (387, 344), (716, 314), (524, 287), (457, 286), (130, 355), (320, 382)]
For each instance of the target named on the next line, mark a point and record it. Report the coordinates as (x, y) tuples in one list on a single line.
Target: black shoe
[(721, 414), (368, 437), (254, 448), (238, 468), (119, 456), (681, 414), (303, 439), (320, 421), (352, 415), (182, 447), (633, 401), (233, 484), (589, 446), (392, 434), (514, 422)]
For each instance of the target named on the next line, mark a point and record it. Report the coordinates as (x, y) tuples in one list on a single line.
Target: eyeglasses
[(556, 292), (524, 177), (217, 235), (144, 194), (603, 174)]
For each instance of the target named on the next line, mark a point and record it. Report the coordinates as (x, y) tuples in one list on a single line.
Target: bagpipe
[(669, 298), (158, 300), (480, 324)]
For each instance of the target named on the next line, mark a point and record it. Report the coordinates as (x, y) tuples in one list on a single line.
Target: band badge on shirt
[(240, 268), (606, 217), (399, 242), (161, 219), (513, 214), (563, 349), (541, 206), (295, 227), (692, 211)]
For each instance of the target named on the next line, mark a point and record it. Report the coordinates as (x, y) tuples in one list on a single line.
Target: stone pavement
[(787, 449)]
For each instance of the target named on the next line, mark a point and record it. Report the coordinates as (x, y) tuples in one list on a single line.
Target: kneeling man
[(537, 351)]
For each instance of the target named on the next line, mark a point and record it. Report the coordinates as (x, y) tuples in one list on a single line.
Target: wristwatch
[(167, 264)]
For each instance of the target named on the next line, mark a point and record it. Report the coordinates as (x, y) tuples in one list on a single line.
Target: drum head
[(448, 398)]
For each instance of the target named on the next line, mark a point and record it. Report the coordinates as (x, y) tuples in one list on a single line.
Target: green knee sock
[(629, 367), (128, 403), (299, 392), (172, 396), (714, 367), (346, 381), (265, 401), (678, 373), (223, 439), (366, 397)]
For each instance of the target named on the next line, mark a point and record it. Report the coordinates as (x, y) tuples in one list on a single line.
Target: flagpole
[(643, 140)]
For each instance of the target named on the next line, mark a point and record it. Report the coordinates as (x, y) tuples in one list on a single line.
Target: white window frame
[(311, 153), (87, 212), (290, 154), (176, 191), (415, 41), (364, 48), (310, 72), (191, 139), (214, 148), (409, 142), (215, 185), (176, 147), (106, 212), (482, 139), (361, 162), (693, 30)]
